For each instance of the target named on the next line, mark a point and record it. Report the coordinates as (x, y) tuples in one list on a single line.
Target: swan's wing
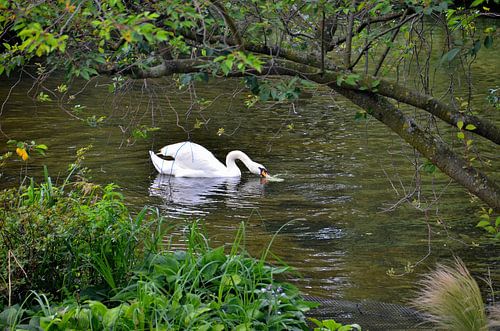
[(191, 156)]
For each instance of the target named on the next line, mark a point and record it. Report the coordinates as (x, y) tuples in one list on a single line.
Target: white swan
[(188, 159)]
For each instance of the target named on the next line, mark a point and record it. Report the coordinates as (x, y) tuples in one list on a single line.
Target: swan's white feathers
[(193, 160), (191, 156)]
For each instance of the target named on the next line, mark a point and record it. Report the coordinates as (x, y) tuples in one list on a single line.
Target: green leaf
[(161, 35), (488, 41), (352, 79), (460, 135), (497, 222), (225, 69), (490, 229), (316, 321), (219, 58), (476, 3), (229, 64), (449, 56), (483, 224), (331, 324), (429, 167), (477, 46), (185, 79), (470, 127), (360, 115), (85, 74), (340, 79), (460, 124), (264, 93)]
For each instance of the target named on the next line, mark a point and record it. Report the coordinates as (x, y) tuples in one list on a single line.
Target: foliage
[(239, 60), (280, 91), (489, 223), (197, 289), (111, 36), (24, 149), (59, 241), (115, 32), (331, 325), (143, 131)]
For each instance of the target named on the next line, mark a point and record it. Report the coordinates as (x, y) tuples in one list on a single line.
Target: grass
[(451, 299)]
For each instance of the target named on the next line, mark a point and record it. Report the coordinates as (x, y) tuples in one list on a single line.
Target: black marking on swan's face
[(263, 172), (166, 158)]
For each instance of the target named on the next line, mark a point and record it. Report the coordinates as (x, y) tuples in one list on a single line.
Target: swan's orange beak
[(264, 173)]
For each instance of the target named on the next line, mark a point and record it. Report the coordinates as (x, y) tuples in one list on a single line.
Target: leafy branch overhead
[(351, 48)]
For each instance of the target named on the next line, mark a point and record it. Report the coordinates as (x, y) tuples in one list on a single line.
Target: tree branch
[(386, 88), (363, 25), (430, 147), (229, 22)]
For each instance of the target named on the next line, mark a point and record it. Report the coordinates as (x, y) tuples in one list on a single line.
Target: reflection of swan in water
[(197, 196)]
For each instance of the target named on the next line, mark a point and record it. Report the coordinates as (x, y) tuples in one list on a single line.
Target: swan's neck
[(231, 158)]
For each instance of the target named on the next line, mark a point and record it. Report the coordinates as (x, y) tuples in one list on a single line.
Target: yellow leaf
[(22, 153), (127, 35), (40, 50), (69, 7)]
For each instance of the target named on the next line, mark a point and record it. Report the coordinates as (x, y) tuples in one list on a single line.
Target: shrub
[(197, 289), (58, 241)]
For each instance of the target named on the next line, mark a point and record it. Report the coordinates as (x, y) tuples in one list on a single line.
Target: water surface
[(343, 226)]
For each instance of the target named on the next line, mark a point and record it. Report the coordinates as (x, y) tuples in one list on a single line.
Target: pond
[(335, 217)]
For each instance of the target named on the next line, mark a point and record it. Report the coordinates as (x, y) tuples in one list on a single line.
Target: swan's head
[(259, 169)]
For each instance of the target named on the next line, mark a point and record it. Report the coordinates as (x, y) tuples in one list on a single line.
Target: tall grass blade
[(101, 265)]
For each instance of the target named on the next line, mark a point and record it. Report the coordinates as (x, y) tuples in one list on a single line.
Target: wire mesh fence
[(370, 315)]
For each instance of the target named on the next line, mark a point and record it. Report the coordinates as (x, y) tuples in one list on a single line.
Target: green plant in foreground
[(60, 240), (200, 288), (331, 325), (451, 299)]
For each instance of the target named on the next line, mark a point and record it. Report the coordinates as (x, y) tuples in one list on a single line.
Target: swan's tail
[(164, 167)]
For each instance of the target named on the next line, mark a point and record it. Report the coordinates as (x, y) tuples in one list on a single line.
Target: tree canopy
[(356, 48)]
